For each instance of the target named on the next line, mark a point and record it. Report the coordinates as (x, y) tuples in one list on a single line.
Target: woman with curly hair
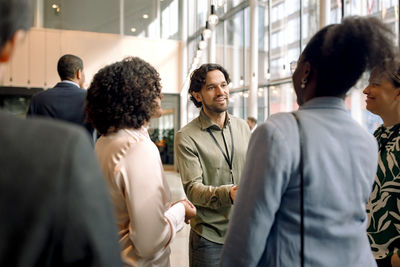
[(383, 99), (120, 102)]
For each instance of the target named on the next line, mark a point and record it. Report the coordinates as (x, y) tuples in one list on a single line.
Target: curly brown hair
[(123, 95)]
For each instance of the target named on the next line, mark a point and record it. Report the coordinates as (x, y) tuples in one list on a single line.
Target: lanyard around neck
[(228, 159)]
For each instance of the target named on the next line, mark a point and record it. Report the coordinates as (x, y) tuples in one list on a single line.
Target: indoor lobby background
[(258, 42)]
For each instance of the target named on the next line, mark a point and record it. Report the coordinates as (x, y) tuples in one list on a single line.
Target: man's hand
[(190, 210), (232, 192)]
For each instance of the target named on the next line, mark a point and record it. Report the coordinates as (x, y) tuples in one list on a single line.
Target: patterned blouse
[(383, 207)]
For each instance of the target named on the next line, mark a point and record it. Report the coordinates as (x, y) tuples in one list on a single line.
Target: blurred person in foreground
[(383, 99), (336, 156), (121, 100), (54, 207)]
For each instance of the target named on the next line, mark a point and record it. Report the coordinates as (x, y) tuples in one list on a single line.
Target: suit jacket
[(65, 101), (54, 206)]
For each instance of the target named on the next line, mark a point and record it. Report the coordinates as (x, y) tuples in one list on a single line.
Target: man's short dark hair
[(14, 15), (198, 79), (68, 66), (123, 95), (252, 119)]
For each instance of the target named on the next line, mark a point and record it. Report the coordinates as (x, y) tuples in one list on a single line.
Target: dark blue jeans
[(203, 253)]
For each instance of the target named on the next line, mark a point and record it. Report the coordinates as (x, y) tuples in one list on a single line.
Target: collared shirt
[(383, 205), (205, 173), (339, 167), (71, 82), (141, 197)]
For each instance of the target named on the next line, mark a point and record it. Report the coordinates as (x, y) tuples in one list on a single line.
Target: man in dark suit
[(54, 206), (66, 101)]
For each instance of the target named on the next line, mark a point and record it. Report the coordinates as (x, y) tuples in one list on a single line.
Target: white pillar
[(253, 105), (121, 17), (184, 63), (212, 46), (324, 13), (38, 18)]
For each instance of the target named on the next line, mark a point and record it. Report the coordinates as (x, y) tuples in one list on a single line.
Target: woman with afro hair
[(121, 100)]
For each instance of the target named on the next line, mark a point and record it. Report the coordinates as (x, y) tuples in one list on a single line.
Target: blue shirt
[(339, 168)]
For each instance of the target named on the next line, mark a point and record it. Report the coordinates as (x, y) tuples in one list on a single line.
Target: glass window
[(238, 104), (285, 38), (234, 50), (310, 20), (282, 98), (170, 19), (263, 34), (83, 15)]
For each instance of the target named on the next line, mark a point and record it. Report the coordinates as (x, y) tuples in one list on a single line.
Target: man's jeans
[(203, 253)]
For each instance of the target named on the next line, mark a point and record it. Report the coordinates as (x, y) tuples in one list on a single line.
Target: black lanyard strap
[(228, 159)]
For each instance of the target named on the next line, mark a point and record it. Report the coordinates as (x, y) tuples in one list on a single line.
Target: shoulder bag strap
[(301, 192)]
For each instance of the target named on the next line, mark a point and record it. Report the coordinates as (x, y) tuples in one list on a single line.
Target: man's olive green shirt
[(205, 174)]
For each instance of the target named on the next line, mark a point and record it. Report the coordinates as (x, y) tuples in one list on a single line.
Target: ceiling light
[(145, 16), (133, 29), (207, 32), (213, 19), (202, 43)]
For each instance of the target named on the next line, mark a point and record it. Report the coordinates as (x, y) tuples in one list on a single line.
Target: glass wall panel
[(238, 104), (170, 19), (310, 20), (285, 37), (83, 15), (282, 98), (234, 49), (263, 37)]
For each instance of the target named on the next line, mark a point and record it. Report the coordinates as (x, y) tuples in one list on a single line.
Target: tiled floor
[(179, 246)]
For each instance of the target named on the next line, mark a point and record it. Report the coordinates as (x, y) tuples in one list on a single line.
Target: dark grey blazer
[(54, 206)]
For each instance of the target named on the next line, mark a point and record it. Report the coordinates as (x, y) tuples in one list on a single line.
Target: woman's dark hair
[(198, 79), (394, 76), (122, 95), (341, 53)]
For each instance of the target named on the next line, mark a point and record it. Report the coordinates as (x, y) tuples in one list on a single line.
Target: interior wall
[(35, 60)]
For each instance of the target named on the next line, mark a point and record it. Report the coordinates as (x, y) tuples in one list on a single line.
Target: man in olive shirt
[(210, 152)]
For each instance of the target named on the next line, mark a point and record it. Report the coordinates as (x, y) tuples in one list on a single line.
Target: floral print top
[(383, 207)]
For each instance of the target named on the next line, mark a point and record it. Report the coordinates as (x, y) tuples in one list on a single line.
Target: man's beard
[(216, 108)]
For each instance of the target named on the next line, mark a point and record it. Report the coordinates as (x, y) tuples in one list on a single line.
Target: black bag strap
[(301, 192)]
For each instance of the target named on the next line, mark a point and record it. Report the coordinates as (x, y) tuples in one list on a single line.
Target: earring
[(303, 83)]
